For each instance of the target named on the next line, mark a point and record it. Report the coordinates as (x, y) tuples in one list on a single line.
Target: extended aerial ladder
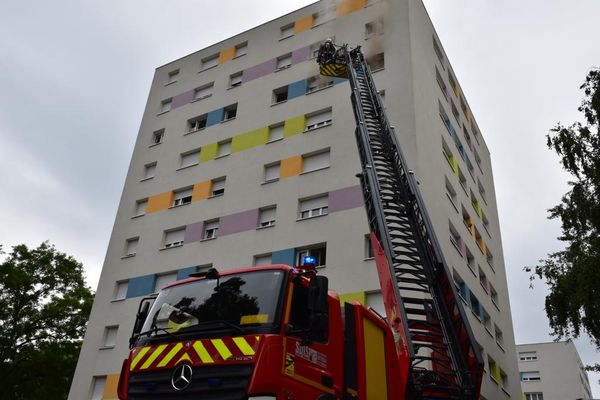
[(434, 340)]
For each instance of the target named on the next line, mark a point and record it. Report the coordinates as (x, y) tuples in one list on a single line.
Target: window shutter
[(284, 61), (121, 290), (203, 92), (224, 148), (267, 215), (110, 335), (98, 389), (140, 207), (132, 245), (210, 62), (218, 186), (272, 172), (262, 260), (190, 159), (320, 119), (311, 204), (276, 132), (315, 161), (174, 237)]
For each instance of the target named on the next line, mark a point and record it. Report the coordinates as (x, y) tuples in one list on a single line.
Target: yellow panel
[(201, 191), (290, 167), (454, 164), (110, 387), (375, 358), (159, 202), (226, 55), (254, 319), (349, 6), (249, 140), (209, 152), (303, 24), (350, 297), (294, 126)]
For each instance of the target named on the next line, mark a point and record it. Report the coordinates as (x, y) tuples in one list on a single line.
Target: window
[(172, 77), (217, 187), (534, 396), (313, 207), (461, 286), (483, 281), (528, 356), (241, 49), (163, 280), (447, 153), (529, 376), (455, 237), (120, 290), (470, 260), (477, 159), (438, 51), (314, 49), (376, 62), (157, 137), (318, 119), (165, 105), (318, 82), (494, 295), (467, 220), (182, 197), (276, 132), (204, 91), (272, 172), (455, 111), (286, 31), (235, 79), (315, 161), (266, 217), (284, 61), (110, 336), (504, 379), (486, 321), (467, 137), (280, 95), (451, 193), (140, 207), (149, 170), (229, 112), (211, 229), (441, 83), (373, 28), (98, 384), (490, 259), (131, 246), (481, 189), (462, 179), (452, 83), (190, 158), (499, 336), (475, 306), (368, 248), (323, 16), (263, 259), (197, 123), (174, 238), (224, 148), (209, 62), (317, 253)]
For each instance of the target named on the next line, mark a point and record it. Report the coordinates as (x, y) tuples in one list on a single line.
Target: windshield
[(243, 301)]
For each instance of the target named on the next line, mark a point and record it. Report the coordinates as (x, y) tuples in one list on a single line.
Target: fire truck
[(278, 333)]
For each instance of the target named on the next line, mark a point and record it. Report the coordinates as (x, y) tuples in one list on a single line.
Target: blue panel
[(481, 313), (339, 80), (464, 292), (450, 129), (185, 272), (141, 286), (215, 117), (286, 256), (297, 89)]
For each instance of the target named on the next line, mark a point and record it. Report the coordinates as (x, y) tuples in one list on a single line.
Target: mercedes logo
[(182, 376)]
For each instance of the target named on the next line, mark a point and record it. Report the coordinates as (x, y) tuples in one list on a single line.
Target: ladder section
[(444, 363)]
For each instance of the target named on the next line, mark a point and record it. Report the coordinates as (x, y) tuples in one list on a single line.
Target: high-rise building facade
[(246, 156), (552, 371)]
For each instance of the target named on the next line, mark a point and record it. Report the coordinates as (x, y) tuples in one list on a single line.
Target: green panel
[(454, 164), (294, 126), (250, 139), (495, 372), (209, 152)]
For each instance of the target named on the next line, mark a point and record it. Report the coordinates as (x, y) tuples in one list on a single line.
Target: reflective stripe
[(184, 357), (243, 345), (202, 353), (221, 348), (170, 355), (138, 357), (153, 356)]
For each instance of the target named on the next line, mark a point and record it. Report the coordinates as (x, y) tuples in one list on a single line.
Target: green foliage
[(44, 306), (573, 275)]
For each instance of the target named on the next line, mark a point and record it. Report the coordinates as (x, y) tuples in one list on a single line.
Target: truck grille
[(227, 382)]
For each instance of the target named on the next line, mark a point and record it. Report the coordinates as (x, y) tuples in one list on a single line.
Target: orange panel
[(303, 24), (159, 202), (226, 55), (348, 6), (201, 190), (290, 167), (110, 388)]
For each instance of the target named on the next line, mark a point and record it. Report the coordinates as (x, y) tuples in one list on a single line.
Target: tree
[(44, 307), (573, 274)]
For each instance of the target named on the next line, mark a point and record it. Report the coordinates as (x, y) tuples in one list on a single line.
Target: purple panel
[(193, 232), (259, 70), (300, 55), (346, 198), (239, 222), (182, 99)]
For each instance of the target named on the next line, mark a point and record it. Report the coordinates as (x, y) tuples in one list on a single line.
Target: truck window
[(300, 317)]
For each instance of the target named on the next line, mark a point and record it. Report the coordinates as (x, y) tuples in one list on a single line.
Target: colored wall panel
[(110, 387), (209, 152), (215, 117), (348, 6), (495, 372), (249, 140), (286, 256), (238, 222), (301, 54), (159, 202), (141, 286), (201, 191), (303, 24), (345, 198), (226, 55), (297, 89), (193, 232), (290, 167), (185, 272), (182, 99), (259, 70), (337, 80), (350, 297), (454, 164), (294, 126), (376, 373)]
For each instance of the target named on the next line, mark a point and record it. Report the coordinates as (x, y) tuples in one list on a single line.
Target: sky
[(75, 76)]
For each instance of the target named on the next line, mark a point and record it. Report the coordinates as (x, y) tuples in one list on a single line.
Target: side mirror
[(140, 318)]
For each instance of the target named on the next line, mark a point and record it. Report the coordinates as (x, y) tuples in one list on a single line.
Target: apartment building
[(552, 371), (246, 156)]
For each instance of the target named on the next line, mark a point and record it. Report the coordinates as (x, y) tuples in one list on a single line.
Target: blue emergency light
[(309, 260)]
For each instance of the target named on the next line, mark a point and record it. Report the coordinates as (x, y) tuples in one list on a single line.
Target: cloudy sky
[(74, 78)]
